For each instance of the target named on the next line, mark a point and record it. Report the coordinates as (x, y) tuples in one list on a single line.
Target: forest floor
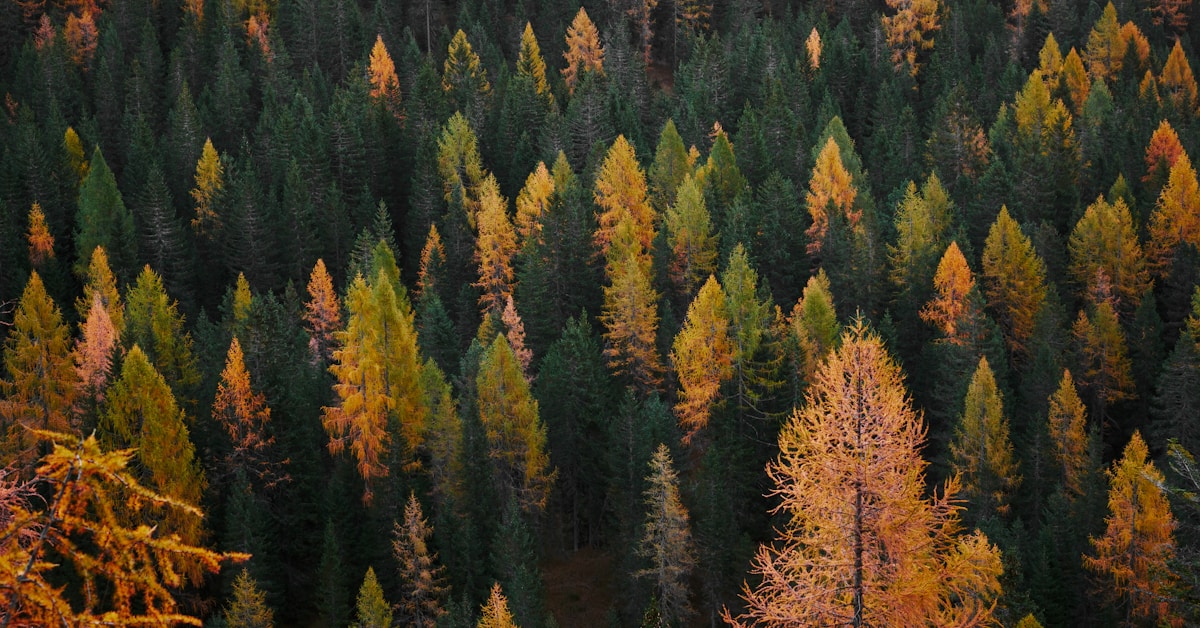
[(579, 587)]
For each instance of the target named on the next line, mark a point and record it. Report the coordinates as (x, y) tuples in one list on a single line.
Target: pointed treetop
[(463, 69), (41, 242), (584, 52), (531, 64), (1178, 81), (953, 283), (210, 181), (533, 201), (385, 85), (100, 282), (830, 190), (1067, 421), (1162, 153), (495, 613), (702, 355), (322, 314)]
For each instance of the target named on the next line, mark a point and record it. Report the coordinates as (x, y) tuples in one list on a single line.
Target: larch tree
[(830, 190), (1067, 422), (465, 80), (642, 13), (860, 544), (1104, 240), (1162, 153), (41, 241), (93, 356), (516, 435), (1176, 216), (954, 306), (141, 412), (702, 355), (75, 155), (910, 31), (322, 314), (153, 321), (209, 182), (814, 327), (82, 526), (981, 452), (1133, 556), (1076, 82), (494, 248), (533, 201), (423, 589), (531, 64), (924, 222), (666, 541), (99, 281), (621, 191), (583, 50), (1014, 281), (248, 608), (381, 74), (1102, 354), (245, 417), (689, 234), (40, 381), (495, 613), (514, 331), (1172, 14), (373, 609), (459, 164), (1178, 83), (630, 313), (749, 307), (103, 220), (1105, 47)]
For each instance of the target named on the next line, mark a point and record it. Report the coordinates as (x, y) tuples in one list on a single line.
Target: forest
[(552, 313)]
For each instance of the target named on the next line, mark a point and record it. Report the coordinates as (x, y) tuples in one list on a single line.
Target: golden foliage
[(981, 452), (910, 31), (531, 64), (495, 613), (82, 36), (621, 194), (41, 242), (951, 306), (94, 353), (1105, 47), (1067, 421), (829, 190), (245, 417), (1104, 240), (210, 180), (494, 248), (533, 201), (322, 315), (433, 258), (630, 319), (812, 46), (1178, 83), (1014, 280), (584, 53), (1076, 81), (702, 355), (1176, 216), (381, 73), (75, 156)]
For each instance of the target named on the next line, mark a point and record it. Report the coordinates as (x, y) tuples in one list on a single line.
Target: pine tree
[(421, 577), (981, 452), (210, 182), (465, 80), (861, 544), (373, 610), (1014, 281), (322, 314), (248, 608), (702, 355), (583, 51), (1133, 556), (104, 220), (495, 613), (689, 234), (516, 435), (40, 383), (1067, 423), (153, 322), (666, 541)]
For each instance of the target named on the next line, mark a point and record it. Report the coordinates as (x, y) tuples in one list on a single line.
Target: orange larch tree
[(322, 314), (1014, 280), (245, 417), (514, 331), (93, 355), (1162, 153), (381, 73), (702, 355), (910, 31), (630, 314), (952, 306), (860, 544), (41, 242), (1176, 216), (829, 190), (494, 248), (584, 52)]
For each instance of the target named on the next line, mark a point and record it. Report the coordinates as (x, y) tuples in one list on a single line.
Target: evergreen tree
[(248, 609), (667, 542), (104, 220)]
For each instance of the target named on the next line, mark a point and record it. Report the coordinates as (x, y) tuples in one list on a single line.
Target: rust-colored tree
[(322, 314), (93, 356), (1162, 153), (1067, 421), (953, 306), (584, 52), (861, 545), (246, 419), (41, 242), (1134, 554), (381, 73)]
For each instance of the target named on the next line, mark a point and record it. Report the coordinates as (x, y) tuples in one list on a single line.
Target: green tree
[(104, 221), (671, 165), (153, 322), (248, 608), (689, 234), (981, 452), (666, 542)]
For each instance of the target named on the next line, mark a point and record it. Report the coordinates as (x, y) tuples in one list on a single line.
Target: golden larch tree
[(702, 355), (433, 261), (210, 181), (1076, 82), (1103, 357), (459, 164), (1178, 83), (584, 52), (381, 74), (1175, 219), (830, 189), (1014, 280), (621, 191), (494, 248), (422, 579), (533, 201), (93, 356), (322, 314), (75, 155), (463, 71), (41, 242), (514, 331), (951, 306), (630, 318), (812, 46), (1105, 47), (910, 30), (814, 326), (1104, 240), (860, 544), (1067, 422), (689, 234), (531, 64), (495, 613), (1133, 556), (981, 452), (1050, 59), (99, 281), (245, 417)]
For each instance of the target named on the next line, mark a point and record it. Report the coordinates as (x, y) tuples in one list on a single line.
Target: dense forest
[(641, 312)]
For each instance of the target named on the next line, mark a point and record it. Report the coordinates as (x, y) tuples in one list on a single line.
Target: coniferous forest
[(636, 313)]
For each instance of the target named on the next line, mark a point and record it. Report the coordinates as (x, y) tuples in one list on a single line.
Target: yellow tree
[(951, 308), (860, 544), (460, 165), (583, 53), (910, 31), (39, 387), (621, 191), (1176, 216), (531, 64), (495, 613), (1178, 83), (1134, 554), (99, 281), (813, 325), (702, 355), (516, 435), (1076, 82), (75, 155), (322, 314), (41, 242), (1067, 421), (1105, 46), (1103, 357), (924, 220), (533, 201), (830, 189), (1014, 280), (1104, 240), (463, 76), (1162, 153), (381, 74), (630, 317), (79, 534), (689, 234), (494, 248), (245, 417), (210, 180), (981, 452)]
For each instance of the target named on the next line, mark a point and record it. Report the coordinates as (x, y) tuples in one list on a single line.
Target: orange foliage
[(322, 315), (385, 85), (94, 352), (1176, 217), (1162, 152), (1177, 81), (244, 415), (621, 192), (257, 34), (829, 189), (950, 307), (515, 333), (41, 243), (703, 357), (494, 248), (584, 52), (82, 37)]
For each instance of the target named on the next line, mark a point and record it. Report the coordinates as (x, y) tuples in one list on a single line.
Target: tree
[(248, 608), (910, 31), (749, 307), (531, 64), (1172, 14), (666, 541), (1176, 216), (93, 355), (246, 419), (465, 80), (924, 221), (1178, 390), (671, 164), (1178, 83), (495, 613), (153, 322), (41, 242), (100, 283), (533, 202), (40, 383), (1104, 241), (1105, 46), (630, 318), (421, 578), (1162, 153), (702, 355), (381, 74), (104, 220), (81, 525), (1133, 556), (1067, 421), (621, 192), (860, 545), (953, 306), (830, 190), (981, 453), (1014, 281), (494, 248), (1105, 371), (210, 181), (516, 435), (373, 610), (322, 314), (514, 331), (689, 234), (814, 327), (583, 51)]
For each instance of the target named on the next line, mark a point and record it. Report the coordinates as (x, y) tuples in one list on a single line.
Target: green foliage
[(104, 221)]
